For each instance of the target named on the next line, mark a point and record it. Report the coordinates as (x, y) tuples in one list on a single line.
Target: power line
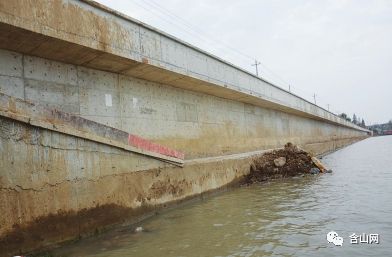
[(186, 28), (195, 31), (199, 31), (196, 28), (157, 13)]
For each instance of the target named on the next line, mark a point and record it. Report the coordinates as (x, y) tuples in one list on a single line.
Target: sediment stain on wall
[(159, 88), (46, 173), (55, 187), (51, 177)]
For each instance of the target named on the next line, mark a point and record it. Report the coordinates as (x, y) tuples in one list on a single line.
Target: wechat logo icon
[(333, 237)]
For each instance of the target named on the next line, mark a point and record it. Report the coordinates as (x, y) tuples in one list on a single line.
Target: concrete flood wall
[(56, 186), (178, 118), (59, 182), (85, 33)]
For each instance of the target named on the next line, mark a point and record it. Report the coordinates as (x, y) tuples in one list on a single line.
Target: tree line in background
[(378, 129), (382, 129), (356, 120)]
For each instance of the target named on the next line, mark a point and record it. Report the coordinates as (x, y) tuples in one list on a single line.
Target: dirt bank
[(288, 162)]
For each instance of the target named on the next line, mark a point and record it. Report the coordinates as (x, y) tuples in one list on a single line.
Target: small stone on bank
[(314, 171), (279, 162), (139, 229)]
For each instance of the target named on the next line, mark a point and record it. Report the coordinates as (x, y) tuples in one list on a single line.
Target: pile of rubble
[(288, 162)]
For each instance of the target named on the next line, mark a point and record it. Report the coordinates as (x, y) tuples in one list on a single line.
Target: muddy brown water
[(288, 217)]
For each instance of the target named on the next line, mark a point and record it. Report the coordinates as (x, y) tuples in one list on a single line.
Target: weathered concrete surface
[(62, 177), (181, 119), (89, 61), (59, 121), (49, 179), (55, 187), (88, 34)]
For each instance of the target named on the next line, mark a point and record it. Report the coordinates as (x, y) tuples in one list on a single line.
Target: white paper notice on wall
[(134, 102), (108, 100)]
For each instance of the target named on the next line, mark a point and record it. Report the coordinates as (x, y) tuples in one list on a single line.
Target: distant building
[(381, 129), (387, 132)]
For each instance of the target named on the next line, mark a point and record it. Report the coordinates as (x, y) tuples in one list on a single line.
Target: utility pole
[(328, 106), (256, 64), (289, 88), (314, 97)]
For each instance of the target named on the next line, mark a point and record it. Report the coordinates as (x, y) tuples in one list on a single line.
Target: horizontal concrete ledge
[(254, 154), (51, 119), (89, 34), (237, 156)]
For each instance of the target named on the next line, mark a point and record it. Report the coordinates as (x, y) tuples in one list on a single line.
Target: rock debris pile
[(288, 162)]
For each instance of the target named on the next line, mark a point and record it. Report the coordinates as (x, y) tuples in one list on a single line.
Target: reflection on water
[(282, 218)]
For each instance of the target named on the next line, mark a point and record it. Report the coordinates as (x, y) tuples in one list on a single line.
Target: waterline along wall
[(103, 119)]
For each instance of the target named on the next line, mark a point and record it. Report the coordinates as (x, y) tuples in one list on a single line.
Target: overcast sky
[(341, 50)]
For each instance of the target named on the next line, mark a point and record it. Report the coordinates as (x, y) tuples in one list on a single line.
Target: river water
[(281, 218)]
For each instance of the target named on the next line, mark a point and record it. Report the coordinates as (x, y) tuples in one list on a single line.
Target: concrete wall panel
[(182, 119), (60, 96), (150, 44), (12, 86), (196, 64), (216, 72), (127, 37), (51, 71), (173, 54), (10, 64)]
